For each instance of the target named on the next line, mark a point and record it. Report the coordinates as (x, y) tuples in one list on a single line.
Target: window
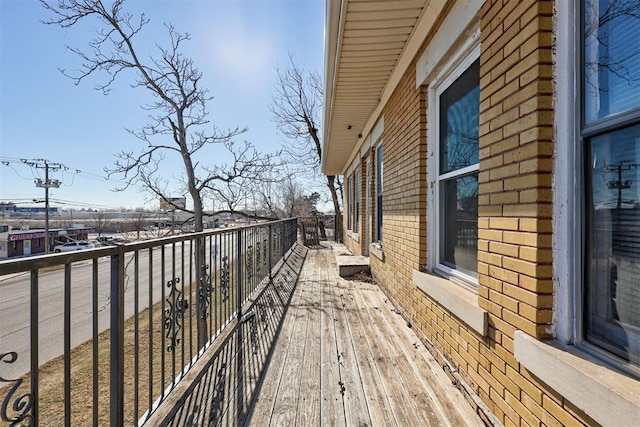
[(356, 213), (349, 203), (379, 171), (610, 139), (457, 105)]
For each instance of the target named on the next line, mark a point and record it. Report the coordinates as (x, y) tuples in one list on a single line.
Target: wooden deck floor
[(331, 352)]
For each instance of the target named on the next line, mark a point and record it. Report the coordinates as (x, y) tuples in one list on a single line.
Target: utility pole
[(619, 184), (46, 184)]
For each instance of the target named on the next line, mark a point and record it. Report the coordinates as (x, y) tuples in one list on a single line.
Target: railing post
[(239, 265), (116, 359), (270, 246), (203, 333), (239, 334), (35, 361), (283, 237)]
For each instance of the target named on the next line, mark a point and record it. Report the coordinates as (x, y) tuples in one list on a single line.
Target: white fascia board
[(460, 21)]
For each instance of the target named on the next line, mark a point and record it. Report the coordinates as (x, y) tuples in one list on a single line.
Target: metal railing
[(318, 228), (84, 332)]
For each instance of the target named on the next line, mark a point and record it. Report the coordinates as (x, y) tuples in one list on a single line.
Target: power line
[(46, 184)]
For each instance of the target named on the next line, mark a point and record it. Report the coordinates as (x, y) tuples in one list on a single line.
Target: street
[(15, 300), (15, 306)]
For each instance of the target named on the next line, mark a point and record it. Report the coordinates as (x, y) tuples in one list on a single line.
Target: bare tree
[(296, 108), (287, 199), (178, 119), (101, 223), (138, 221)]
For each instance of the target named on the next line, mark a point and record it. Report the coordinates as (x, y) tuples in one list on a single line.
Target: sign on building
[(172, 202)]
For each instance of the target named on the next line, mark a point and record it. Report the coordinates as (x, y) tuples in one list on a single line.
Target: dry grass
[(51, 386)]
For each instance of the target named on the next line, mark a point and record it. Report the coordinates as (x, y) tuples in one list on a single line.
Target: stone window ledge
[(376, 250), (461, 302), (353, 236), (609, 397)]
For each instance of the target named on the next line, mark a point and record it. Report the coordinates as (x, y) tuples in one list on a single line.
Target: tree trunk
[(331, 183)]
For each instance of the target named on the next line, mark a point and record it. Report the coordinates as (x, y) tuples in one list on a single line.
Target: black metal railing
[(319, 228), (84, 332)]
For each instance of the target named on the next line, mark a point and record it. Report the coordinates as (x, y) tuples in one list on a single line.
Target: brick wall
[(516, 165), (404, 200), (515, 209)]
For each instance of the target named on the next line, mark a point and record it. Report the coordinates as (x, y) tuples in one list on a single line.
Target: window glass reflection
[(611, 57), (460, 233), (459, 121), (613, 258)]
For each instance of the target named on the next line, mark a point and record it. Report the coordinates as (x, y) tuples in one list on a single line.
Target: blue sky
[(43, 114)]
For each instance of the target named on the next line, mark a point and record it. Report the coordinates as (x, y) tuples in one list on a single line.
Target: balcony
[(233, 327)]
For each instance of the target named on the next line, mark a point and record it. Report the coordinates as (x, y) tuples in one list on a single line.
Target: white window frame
[(379, 192), (357, 205), (349, 203), (567, 364), (569, 226), (455, 66)]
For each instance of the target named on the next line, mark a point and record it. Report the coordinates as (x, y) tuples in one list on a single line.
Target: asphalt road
[(15, 306), (15, 302)]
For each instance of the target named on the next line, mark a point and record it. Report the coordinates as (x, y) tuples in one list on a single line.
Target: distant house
[(32, 242), (491, 158)]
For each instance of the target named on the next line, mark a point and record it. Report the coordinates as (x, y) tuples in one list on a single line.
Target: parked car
[(74, 246), (105, 240), (118, 241)]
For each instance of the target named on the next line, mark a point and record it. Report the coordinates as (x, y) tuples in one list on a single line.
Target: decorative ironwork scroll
[(218, 396), (259, 260), (264, 316), (204, 292), (174, 315), (224, 278), (22, 405), (270, 303), (264, 255), (253, 334), (249, 262)]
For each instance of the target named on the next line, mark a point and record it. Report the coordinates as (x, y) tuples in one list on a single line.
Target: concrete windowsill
[(461, 302), (376, 251), (609, 397), (353, 236)]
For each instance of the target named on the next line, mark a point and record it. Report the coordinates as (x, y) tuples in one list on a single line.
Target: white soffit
[(368, 46)]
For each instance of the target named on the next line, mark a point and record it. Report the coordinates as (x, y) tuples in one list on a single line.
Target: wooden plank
[(407, 375), (230, 369), (355, 406), (447, 401), (375, 394), (270, 310), (386, 359), (332, 413), (270, 387), (266, 324), (309, 399), (335, 333), (286, 403)]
